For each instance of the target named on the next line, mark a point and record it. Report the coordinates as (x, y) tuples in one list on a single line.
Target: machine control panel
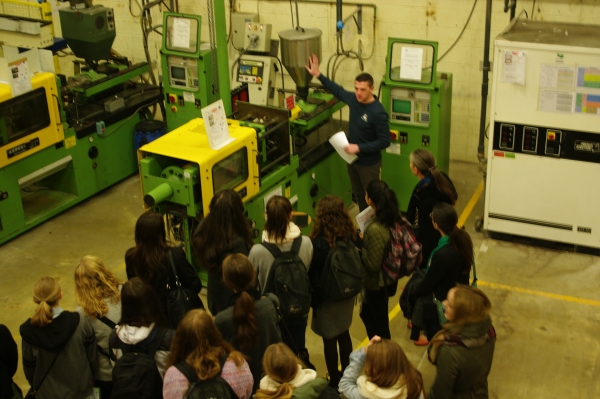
[(251, 71), (183, 72), (410, 106), (553, 142), (530, 139), (110, 18), (507, 137)]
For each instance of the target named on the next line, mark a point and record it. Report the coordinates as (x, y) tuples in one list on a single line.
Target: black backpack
[(341, 277), (288, 280), (215, 388), (135, 374)]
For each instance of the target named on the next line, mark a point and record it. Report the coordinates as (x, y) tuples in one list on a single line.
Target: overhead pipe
[(485, 80)]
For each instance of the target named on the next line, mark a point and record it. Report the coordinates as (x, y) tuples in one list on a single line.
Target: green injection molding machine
[(418, 100)]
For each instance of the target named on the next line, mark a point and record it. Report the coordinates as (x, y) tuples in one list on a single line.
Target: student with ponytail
[(450, 263), (285, 378), (59, 347), (434, 186), (250, 325), (388, 374), (376, 287)]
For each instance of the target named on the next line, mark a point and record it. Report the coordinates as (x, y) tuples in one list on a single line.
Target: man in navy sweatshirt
[(368, 132)]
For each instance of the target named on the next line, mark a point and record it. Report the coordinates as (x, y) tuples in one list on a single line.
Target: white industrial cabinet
[(543, 176)]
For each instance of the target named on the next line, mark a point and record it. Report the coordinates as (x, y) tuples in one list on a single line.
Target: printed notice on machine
[(215, 122), (557, 77), (339, 141), (556, 101), (514, 67), (411, 63), (181, 33), (21, 82)]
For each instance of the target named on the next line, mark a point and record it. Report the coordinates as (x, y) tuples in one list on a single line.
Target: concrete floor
[(546, 303)]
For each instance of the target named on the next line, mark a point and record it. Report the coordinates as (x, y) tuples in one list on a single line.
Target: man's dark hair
[(364, 77)]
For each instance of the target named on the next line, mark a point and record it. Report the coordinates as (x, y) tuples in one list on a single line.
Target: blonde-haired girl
[(388, 374), (59, 347), (98, 293), (285, 378)]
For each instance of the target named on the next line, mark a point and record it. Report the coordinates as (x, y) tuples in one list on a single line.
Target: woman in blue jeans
[(281, 231)]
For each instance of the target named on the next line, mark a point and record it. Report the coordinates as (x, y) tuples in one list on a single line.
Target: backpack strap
[(187, 371), (108, 322), (272, 248), (296, 245)]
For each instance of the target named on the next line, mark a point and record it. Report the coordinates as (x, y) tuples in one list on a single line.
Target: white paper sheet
[(181, 33), (339, 141), (556, 101), (215, 122), (557, 77), (514, 67), (411, 63), (365, 218)]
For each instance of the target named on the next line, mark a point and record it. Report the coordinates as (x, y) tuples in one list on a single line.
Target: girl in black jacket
[(434, 186), (224, 231), (150, 260), (450, 263)]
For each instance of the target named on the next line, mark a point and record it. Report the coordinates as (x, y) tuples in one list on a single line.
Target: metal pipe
[(275, 162), (222, 57), (273, 129), (338, 15), (485, 79)]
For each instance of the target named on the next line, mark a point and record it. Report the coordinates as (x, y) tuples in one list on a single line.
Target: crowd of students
[(252, 343)]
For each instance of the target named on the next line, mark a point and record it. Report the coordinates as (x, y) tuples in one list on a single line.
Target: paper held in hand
[(339, 141), (365, 218)]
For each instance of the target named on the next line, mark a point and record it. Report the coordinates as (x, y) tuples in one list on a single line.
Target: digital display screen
[(401, 106), (246, 70), (177, 73)]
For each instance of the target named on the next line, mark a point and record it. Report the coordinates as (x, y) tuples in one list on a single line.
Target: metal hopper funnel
[(296, 46)]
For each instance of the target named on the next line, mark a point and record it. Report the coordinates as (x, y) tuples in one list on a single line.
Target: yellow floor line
[(470, 205), (565, 298)]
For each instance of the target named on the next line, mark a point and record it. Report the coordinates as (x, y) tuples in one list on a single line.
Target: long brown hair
[(281, 365), (46, 293), (94, 283), (278, 217), (198, 342), (424, 161), (226, 221), (386, 363), (471, 305), (239, 275), (333, 221), (387, 211), (150, 248), (139, 304), (445, 216)]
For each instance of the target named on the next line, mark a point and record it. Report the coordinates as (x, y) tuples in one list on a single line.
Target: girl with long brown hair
[(225, 230), (387, 373), (331, 319), (98, 293), (199, 346), (150, 260), (59, 347), (251, 324), (285, 378), (464, 349), (449, 263)]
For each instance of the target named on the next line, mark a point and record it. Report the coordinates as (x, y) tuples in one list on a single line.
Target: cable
[(461, 32), (281, 67), (532, 9), (137, 3)]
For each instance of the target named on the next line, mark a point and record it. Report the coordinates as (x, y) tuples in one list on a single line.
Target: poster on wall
[(514, 67)]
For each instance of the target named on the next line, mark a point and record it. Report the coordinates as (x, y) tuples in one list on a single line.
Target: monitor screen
[(401, 106), (177, 73)]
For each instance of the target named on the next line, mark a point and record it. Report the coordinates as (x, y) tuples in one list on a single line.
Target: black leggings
[(374, 313), (330, 347)]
